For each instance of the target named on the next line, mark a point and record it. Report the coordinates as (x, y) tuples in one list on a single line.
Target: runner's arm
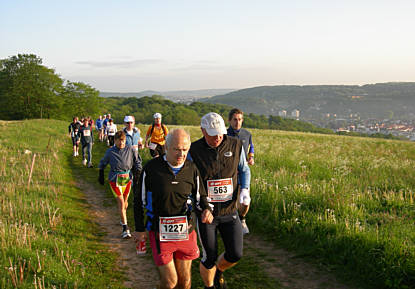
[(137, 166), (139, 203), (244, 173)]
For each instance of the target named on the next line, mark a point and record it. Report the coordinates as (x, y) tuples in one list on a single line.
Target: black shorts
[(75, 141), (159, 151), (230, 229)]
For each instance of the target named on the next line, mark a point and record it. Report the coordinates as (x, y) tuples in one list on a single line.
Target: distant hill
[(381, 100), (175, 95)]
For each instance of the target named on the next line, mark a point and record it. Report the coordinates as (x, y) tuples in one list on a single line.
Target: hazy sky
[(190, 44)]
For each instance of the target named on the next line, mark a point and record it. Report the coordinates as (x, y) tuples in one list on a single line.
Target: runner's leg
[(208, 240), (121, 210), (89, 146), (168, 276), (232, 236), (184, 276)]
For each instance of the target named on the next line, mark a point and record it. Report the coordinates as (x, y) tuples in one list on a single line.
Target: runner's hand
[(139, 236), (101, 177), (251, 161), (244, 197), (207, 217)]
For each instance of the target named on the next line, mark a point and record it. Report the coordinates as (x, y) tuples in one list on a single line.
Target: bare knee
[(168, 282)]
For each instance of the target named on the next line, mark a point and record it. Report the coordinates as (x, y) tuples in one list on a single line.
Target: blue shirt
[(133, 139), (120, 161), (98, 123), (245, 137)]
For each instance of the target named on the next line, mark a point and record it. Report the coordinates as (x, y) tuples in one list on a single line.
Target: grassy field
[(345, 202), (47, 238), (349, 202)]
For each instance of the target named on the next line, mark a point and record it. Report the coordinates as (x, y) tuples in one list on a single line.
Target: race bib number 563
[(220, 190), (173, 228)]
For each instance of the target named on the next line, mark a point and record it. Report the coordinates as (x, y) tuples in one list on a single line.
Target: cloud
[(119, 63)]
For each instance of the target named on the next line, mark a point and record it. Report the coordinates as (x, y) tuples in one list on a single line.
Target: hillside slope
[(382, 100)]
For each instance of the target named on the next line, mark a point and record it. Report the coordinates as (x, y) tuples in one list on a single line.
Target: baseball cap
[(213, 124), (157, 115), (128, 118)]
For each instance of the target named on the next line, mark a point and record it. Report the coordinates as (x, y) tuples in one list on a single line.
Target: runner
[(73, 133), (91, 122), (87, 140), (122, 159), (155, 137), (132, 133), (110, 132), (170, 192), (236, 118), (104, 125), (98, 127), (226, 177)]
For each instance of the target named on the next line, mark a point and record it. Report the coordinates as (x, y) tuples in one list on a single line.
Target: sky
[(131, 46)]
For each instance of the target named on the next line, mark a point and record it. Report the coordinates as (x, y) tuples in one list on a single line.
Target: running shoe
[(245, 229), (84, 162), (74, 154), (90, 165), (126, 234), (220, 282)]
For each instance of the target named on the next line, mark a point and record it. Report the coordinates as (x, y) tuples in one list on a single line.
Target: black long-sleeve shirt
[(164, 194)]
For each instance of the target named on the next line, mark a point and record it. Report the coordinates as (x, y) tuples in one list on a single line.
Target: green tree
[(28, 89), (81, 99)]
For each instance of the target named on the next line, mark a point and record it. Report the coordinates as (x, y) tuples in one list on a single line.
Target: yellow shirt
[(157, 136)]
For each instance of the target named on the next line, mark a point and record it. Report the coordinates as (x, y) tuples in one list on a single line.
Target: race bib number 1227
[(173, 228)]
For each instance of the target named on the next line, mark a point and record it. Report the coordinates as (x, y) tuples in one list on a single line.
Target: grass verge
[(47, 238)]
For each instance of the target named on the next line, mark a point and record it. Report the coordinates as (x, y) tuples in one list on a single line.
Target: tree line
[(182, 114), (29, 90)]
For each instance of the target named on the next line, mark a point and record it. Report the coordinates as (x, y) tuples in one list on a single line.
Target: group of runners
[(186, 187)]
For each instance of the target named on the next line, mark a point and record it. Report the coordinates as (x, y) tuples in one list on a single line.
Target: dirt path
[(140, 270), (290, 271)]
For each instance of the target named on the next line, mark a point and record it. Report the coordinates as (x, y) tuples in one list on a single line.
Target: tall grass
[(46, 235), (347, 201)]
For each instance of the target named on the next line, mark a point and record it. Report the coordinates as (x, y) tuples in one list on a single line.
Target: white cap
[(213, 124), (128, 118), (157, 115)]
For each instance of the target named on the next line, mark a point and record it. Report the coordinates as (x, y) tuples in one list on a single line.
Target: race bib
[(87, 132), (122, 179), (173, 229), (152, 146), (220, 190), (111, 131)]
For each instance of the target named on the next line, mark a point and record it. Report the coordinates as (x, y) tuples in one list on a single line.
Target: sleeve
[(137, 161), (244, 173), (148, 131), (199, 193), (69, 128), (251, 147), (104, 161), (139, 203), (167, 130)]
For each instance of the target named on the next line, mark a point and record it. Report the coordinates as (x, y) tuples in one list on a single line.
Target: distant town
[(357, 123)]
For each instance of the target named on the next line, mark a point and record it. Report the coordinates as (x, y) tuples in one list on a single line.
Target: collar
[(171, 166)]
